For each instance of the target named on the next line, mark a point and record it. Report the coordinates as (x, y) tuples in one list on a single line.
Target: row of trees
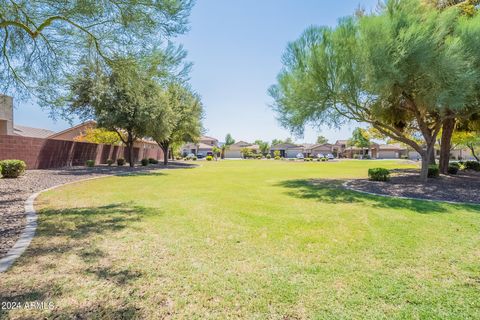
[(131, 99), (411, 70), (111, 61)]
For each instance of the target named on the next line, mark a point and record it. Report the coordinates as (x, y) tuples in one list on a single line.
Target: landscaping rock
[(462, 187)]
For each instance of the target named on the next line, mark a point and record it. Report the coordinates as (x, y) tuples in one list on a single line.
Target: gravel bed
[(14, 192), (463, 187)]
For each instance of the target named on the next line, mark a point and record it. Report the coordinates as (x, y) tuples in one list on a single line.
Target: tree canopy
[(403, 70), (44, 41), (177, 117)]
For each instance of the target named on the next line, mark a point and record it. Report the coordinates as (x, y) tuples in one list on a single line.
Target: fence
[(49, 153)]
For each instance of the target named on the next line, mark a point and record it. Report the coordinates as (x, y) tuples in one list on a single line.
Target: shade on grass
[(248, 239)]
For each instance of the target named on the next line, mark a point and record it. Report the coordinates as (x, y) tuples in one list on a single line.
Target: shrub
[(209, 158), (90, 163), (145, 162), (152, 161), (259, 156), (277, 157), (194, 158), (120, 162), (433, 171), (324, 159), (453, 168), (109, 162), (379, 174), (472, 165), (356, 156), (367, 157), (12, 168), (268, 156)]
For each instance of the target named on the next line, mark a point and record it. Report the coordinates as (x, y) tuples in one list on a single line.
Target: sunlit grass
[(248, 239)]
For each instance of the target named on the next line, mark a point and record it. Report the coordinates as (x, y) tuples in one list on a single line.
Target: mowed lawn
[(251, 240)]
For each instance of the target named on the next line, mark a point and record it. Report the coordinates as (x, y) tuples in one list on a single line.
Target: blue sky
[(236, 48)]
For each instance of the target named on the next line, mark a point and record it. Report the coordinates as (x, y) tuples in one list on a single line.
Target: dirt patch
[(14, 192), (463, 187)]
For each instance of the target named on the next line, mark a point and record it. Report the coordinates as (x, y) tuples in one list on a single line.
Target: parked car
[(330, 156), (300, 156), (320, 155), (190, 156), (200, 155)]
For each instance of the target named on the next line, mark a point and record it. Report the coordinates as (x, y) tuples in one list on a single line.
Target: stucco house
[(203, 147), (235, 150)]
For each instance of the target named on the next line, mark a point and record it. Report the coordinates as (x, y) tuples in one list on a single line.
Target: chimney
[(6, 115)]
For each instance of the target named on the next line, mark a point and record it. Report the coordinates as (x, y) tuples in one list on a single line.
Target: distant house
[(235, 150), (32, 132), (203, 147), (287, 150), (314, 150)]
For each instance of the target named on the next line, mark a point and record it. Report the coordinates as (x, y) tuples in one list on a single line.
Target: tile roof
[(32, 132)]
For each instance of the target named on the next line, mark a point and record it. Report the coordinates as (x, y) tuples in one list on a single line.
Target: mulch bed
[(463, 187), (14, 192)]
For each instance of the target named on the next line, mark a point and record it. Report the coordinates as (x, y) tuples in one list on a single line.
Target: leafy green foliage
[(379, 174), (453, 168), (322, 140), (145, 162), (472, 165), (100, 136), (110, 162), (90, 163), (401, 69), (209, 158), (45, 41), (120, 162), (12, 168), (433, 171), (176, 116), (229, 140), (152, 161)]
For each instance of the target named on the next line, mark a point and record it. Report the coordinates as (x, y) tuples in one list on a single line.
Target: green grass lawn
[(247, 239)]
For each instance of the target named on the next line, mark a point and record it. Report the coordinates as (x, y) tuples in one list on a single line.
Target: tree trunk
[(165, 148), (130, 159), (446, 144), (424, 170), (472, 150), (431, 158)]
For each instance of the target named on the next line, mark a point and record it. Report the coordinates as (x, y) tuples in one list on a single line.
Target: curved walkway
[(18, 219)]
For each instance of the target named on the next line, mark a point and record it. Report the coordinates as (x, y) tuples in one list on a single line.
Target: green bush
[(472, 165), (145, 162), (109, 162), (259, 156), (194, 158), (152, 161), (209, 158), (433, 171), (366, 157), (268, 156), (90, 163), (379, 174), (120, 162), (277, 157), (453, 168), (324, 159), (12, 168)]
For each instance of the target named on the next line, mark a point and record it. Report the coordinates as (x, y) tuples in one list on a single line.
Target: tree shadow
[(69, 233), (332, 191)]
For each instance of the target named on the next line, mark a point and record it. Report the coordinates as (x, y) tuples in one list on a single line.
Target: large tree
[(468, 8), (176, 117), (45, 41), (399, 70), (359, 139), (119, 99)]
